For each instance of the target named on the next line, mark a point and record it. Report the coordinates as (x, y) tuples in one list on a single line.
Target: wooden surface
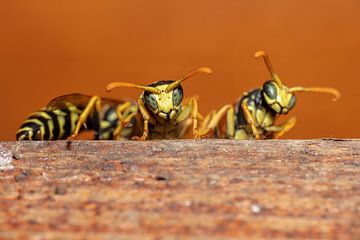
[(206, 189)]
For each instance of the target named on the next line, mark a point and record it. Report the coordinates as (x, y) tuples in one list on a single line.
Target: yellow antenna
[(186, 76), (332, 91), (112, 85), (268, 65)]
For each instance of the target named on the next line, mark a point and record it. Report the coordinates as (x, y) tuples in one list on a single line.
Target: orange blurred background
[(51, 48)]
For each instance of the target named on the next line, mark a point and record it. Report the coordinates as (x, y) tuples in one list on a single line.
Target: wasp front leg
[(282, 129), (191, 107), (95, 102), (204, 130), (250, 119), (147, 118)]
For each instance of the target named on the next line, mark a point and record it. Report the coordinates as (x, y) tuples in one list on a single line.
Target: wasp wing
[(80, 100)]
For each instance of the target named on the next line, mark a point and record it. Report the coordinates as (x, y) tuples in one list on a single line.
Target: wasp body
[(60, 119), (254, 114), (161, 114)]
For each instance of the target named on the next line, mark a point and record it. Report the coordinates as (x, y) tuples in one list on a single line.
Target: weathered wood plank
[(208, 189)]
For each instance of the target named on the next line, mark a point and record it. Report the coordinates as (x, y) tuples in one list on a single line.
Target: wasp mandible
[(254, 114)]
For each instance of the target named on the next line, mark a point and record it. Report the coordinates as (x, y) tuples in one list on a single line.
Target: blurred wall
[(50, 48)]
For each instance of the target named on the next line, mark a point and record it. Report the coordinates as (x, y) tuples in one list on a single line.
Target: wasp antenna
[(266, 60), (195, 71), (268, 65), (188, 75), (332, 91), (112, 85)]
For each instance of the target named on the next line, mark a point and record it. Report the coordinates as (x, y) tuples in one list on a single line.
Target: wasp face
[(29, 131), (165, 104), (279, 98)]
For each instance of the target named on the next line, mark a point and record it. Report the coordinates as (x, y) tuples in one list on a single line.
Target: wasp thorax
[(279, 98)]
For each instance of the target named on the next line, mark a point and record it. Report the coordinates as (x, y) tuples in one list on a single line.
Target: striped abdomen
[(49, 124)]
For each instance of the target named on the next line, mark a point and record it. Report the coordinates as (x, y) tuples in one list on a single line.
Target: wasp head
[(166, 103), (279, 97), (162, 98)]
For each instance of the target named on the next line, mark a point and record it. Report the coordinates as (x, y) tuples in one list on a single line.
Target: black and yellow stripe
[(49, 124), (59, 119)]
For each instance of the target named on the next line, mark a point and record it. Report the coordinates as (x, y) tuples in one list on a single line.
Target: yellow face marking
[(282, 97), (164, 99), (165, 103)]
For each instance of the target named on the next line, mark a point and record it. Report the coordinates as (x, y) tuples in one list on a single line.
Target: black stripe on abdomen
[(55, 120), (67, 126), (21, 133), (44, 121)]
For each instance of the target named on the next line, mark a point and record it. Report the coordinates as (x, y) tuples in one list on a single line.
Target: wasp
[(158, 113), (161, 114), (254, 114), (65, 116)]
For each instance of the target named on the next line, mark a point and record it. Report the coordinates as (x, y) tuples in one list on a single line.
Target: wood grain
[(183, 189)]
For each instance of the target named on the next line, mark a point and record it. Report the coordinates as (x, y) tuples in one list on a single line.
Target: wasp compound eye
[(150, 101), (177, 96), (270, 89), (292, 102)]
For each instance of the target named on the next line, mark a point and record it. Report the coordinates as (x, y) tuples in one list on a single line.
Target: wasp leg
[(205, 122), (95, 101), (215, 119), (190, 107), (122, 121), (249, 118), (282, 129), (147, 118), (203, 129), (230, 122)]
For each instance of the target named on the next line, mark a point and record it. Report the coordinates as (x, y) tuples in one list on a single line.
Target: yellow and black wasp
[(157, 114), (161, 114), (254, 114), (60, 118)]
